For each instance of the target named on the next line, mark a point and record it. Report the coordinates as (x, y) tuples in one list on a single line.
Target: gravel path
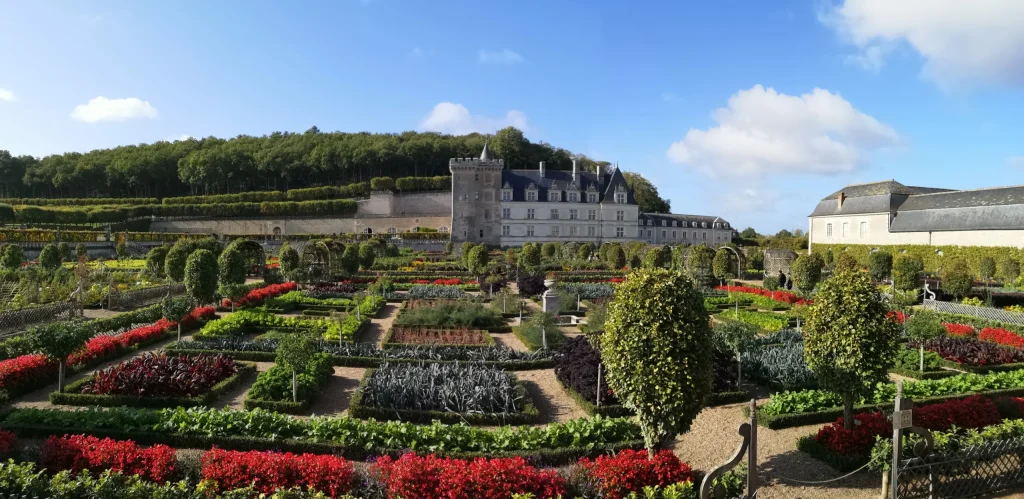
[(235, 398), (551, 400), (98, 313), (336, 396), (374, 333)]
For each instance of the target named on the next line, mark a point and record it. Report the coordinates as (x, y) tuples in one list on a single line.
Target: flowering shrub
[(162, 375), (268, 471), (25, 370), (631, 471), (857, 441), (431, 477), (896, 314), (258, 295), (80, 452), (780, 296), (1002, 337), (7, 441), (959, 329)]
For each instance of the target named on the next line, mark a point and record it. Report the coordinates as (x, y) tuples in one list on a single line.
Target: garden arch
[(316, 261), (253, 254), (336, 249)]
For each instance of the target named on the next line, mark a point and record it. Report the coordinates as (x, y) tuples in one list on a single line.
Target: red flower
[(80, 452), (269, 471), (859, 440), (631, 471), (1002, 337), (7, 442), (958, 329), (431, 477), (779, 296), (257, 295)]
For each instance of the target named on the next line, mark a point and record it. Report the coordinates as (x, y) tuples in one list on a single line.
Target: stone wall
[(388, 204), (286, 226)]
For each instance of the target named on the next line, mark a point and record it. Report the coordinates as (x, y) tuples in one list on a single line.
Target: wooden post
[(900, 420), (599, 364), (752, 452)]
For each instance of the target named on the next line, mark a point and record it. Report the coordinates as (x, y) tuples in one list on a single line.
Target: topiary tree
[(548, 250), (121, 249), (201, 276), (529, 256), (616, 257), (807, 272), (987, 268), (175, 310), (231, 267), (957, 278), (350, 259), (924, 326), (828, 258), (49, 258), (288, 259), (657, 347), (880, 265), (846, 263), (174, 262), (293, 352), (367, 254), (57, 341), (530, 284), (233, 292), (722, 265), (1009, 270), (155, 261), (698, 265), (658, 258), (634, 261), (906, 271), (466, 246), (586, 251), (755, 257), (13, 256), (65, 252), (81, 250), (736, 337), (849, 342), (478, 259)]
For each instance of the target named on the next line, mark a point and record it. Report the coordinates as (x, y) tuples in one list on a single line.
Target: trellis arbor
[(253, 254), (316, 261), (778, 259)]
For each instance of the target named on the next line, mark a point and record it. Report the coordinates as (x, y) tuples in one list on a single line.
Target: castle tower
[(476, 212)]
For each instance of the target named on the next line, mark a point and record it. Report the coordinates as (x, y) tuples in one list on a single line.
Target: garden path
[(379, 326), (713, 438), (99, 313), (334, 399), (549, 397), (235, 398), (508, 339)]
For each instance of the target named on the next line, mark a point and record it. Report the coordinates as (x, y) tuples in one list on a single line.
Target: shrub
[(49, 258), (856, 439), (155, 261), (880, 265), (957, 278), (443, 387), (576, 363), (270, 471), (81, 250), (1009, 269), (289, 259), (57, 341), (231, 266), (540, 330), (531, 284), (722, 265), (431, 477), (906, 270), (13, 256), (846, 262), (350, 259), (450, 314), (630, 471), (477, 259), (162, 375), (175, 260), (80, 452), (275, 384), (382, 184), (201, 276), (911, 360), (807, 272), (657, 348), (922, 327)]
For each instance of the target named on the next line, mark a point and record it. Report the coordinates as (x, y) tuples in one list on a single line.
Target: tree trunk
[(848, 411), (739, 371), (179, 330), (295, 386), (921, 356)]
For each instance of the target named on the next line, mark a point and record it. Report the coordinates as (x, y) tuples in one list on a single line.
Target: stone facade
[(475, 206)]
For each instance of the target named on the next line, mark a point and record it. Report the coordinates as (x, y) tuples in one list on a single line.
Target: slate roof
[(689, 219), (880, 203), (996, 196), (561, 180)]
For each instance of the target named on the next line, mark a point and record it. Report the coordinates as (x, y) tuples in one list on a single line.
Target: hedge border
[(792, 420), (618, 410), (75, 398), (920, 375), (529, 415), (285, 406), (843, 464), (387, 343)]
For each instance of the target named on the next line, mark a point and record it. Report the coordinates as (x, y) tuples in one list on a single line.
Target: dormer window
[(574, 197), (554, 195), (591, 197), (531, 192), (704, 225), (506, 195), (620, 198), (664, 223)]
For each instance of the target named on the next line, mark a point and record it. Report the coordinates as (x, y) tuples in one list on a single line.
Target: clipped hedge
[(416, 184), (928, 254), (78, 201), (73, 396), (113, 214)]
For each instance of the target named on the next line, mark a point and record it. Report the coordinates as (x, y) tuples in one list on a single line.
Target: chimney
[(541, 169), (600, 174), (842, 197), (575, 172)]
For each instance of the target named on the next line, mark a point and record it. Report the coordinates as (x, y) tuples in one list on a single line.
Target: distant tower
[(476, 211)]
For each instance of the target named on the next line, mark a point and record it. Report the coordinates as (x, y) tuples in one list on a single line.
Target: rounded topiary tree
[(585, 251), (723, 265), (49, 258), (548, 250), (957, 278), (880, 265), (13, 256), (294, 352), (466, 246), (807, 272), (849, 342), (698, 265), (736, 337), (81, 250), (529, 256), (924, 326), (658, 258), (201, 276), (350, 259), (634, 261), (906, 270), (657, 348), (174, 262), (57, 341), (616, 257), (828, 259), (175, 310), (288, 259), (449, 247), (65, 252), (846, 262), (478, 259), (367, 254), (121, 249), (231, 267), (155, 260)]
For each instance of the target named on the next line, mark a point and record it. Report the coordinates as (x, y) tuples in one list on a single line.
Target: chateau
[(504, 207), (888, 212)]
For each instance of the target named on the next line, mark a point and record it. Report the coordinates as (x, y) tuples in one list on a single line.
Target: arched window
[(443, 229)]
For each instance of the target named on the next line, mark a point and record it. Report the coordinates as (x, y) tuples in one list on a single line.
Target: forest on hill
[(278, 161)]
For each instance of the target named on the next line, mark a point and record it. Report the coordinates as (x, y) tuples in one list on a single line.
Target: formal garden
[(358, 369)]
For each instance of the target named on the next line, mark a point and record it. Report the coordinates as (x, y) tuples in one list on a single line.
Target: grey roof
[(884, 187), (672, 217), (998, 217), (485, 155), (561, 180), (997, 196), (880, 203)]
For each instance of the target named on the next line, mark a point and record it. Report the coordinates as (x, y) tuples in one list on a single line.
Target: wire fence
[(993, 314)]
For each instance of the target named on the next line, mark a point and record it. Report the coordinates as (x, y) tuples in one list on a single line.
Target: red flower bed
[(162, 375), (256, 296), (79, 452), (959, 329), (26, 369), (779, 296), (1002, 337), (431, 477), (268, 471), (631, 471), (857, 441)]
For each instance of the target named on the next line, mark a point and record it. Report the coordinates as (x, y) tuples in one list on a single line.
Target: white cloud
[(763, 131), (961, 41), (1016, 161), (751, 199), (504, 56), (180, 137), (7, 95), (104, 109), (455, 119)]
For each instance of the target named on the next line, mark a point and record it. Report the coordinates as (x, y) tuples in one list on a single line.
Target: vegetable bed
[(411, 336)]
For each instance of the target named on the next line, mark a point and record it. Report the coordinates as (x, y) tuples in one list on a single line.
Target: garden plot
[(413, 336), (446, 313), (157, 380), (444, 392)]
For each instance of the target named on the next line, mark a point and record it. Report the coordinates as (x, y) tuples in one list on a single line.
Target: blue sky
[(715, 102)]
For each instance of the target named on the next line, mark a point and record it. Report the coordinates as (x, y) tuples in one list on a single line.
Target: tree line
[(281, 160)]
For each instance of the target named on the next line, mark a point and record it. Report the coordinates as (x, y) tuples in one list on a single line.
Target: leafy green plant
[(924, 326), (957, 278), (906, 271), (1009, 269), (49, 258), (657, 349), (807, 272), (294, 352), (57, 341), (350, 259), (201, 276), (175, 310), (765, 320), (723, 265), (155, 261), (849, 342), (231, 267), (880, 265), (540, 331), (698, 265)]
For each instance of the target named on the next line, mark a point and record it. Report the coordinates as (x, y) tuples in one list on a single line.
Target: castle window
[(506, 230), (554, 196), (591, 198), (481, 233), (663, 234), (443, 229), (590, 231), (529, 231), (392, 230), (591, 214), (673, 234), (649, 235), (529, 214), (554, 213), (476, 177), (620, 197), (487, 214), (619, 231), (648, 222), (704, 235), (554, 230), (572, 230), (664, 223), (828, 230), (863, 229), (573, 197), (506, 213), (573, 214), (620, 215), (846, 229), (476, 195), (531, 195), (506, 195)]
